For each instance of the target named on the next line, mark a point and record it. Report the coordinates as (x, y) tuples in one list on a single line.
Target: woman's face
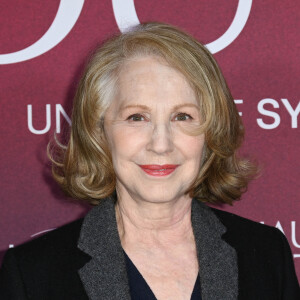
[(154, 159)]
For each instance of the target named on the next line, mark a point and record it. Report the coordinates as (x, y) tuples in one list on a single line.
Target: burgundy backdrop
[(260, 61)]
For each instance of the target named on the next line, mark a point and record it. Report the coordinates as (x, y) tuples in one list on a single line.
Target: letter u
[(48, 120)]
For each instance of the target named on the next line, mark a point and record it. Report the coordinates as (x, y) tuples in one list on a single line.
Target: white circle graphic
[(126, 16), (65, 19)]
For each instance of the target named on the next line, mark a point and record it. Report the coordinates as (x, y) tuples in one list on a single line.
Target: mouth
[(158, 170)]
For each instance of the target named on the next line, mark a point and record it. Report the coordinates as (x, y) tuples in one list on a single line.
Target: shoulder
[(48, 263), (62, 237), (245, 229), (238, 223), (253, 239), (58, 246), (264, 255), (233, 219)]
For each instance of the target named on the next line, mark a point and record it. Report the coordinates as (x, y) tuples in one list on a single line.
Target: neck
[(149, 223)]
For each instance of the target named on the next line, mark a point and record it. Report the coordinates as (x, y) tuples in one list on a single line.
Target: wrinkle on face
[(157, 92)]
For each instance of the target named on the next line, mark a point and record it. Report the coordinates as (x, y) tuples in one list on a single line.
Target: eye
[(183, 117), (136, 118)]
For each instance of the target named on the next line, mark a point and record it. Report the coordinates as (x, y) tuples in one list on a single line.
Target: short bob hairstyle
[(84, 167)]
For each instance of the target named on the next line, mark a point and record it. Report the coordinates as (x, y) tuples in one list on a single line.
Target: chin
[(160, 195)]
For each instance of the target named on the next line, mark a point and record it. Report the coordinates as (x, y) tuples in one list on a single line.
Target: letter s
[(268, 113)]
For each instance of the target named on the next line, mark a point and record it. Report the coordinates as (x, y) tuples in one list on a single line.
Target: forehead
[(150, 79)]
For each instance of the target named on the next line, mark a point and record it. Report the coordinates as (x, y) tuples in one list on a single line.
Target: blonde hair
[(84, 168)]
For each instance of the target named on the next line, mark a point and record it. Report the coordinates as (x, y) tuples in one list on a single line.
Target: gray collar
[(217, 260), (105, 276)]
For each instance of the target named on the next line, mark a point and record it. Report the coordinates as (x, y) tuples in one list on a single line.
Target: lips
[(158, 170)]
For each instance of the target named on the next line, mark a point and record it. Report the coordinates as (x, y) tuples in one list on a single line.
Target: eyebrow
[(144, 107)]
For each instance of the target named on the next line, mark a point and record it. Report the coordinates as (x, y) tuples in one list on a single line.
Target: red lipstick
[(158, 170)]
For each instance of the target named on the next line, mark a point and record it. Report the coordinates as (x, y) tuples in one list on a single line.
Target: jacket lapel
[(104, 276), (217, 260)]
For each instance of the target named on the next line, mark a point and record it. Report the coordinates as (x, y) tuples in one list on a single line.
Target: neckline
[(138, 284)]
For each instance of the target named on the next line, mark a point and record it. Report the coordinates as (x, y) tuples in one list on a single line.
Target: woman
[(155, 134)]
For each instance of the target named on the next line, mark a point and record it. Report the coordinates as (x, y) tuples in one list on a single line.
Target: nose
[(161, 139)]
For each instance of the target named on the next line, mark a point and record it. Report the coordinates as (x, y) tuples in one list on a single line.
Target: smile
[(158, 170)]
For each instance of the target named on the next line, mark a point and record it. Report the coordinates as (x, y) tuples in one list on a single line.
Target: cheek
[(126, 142), (193, 147)]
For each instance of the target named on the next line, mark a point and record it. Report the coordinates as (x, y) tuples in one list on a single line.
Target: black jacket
[(238, 259)]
